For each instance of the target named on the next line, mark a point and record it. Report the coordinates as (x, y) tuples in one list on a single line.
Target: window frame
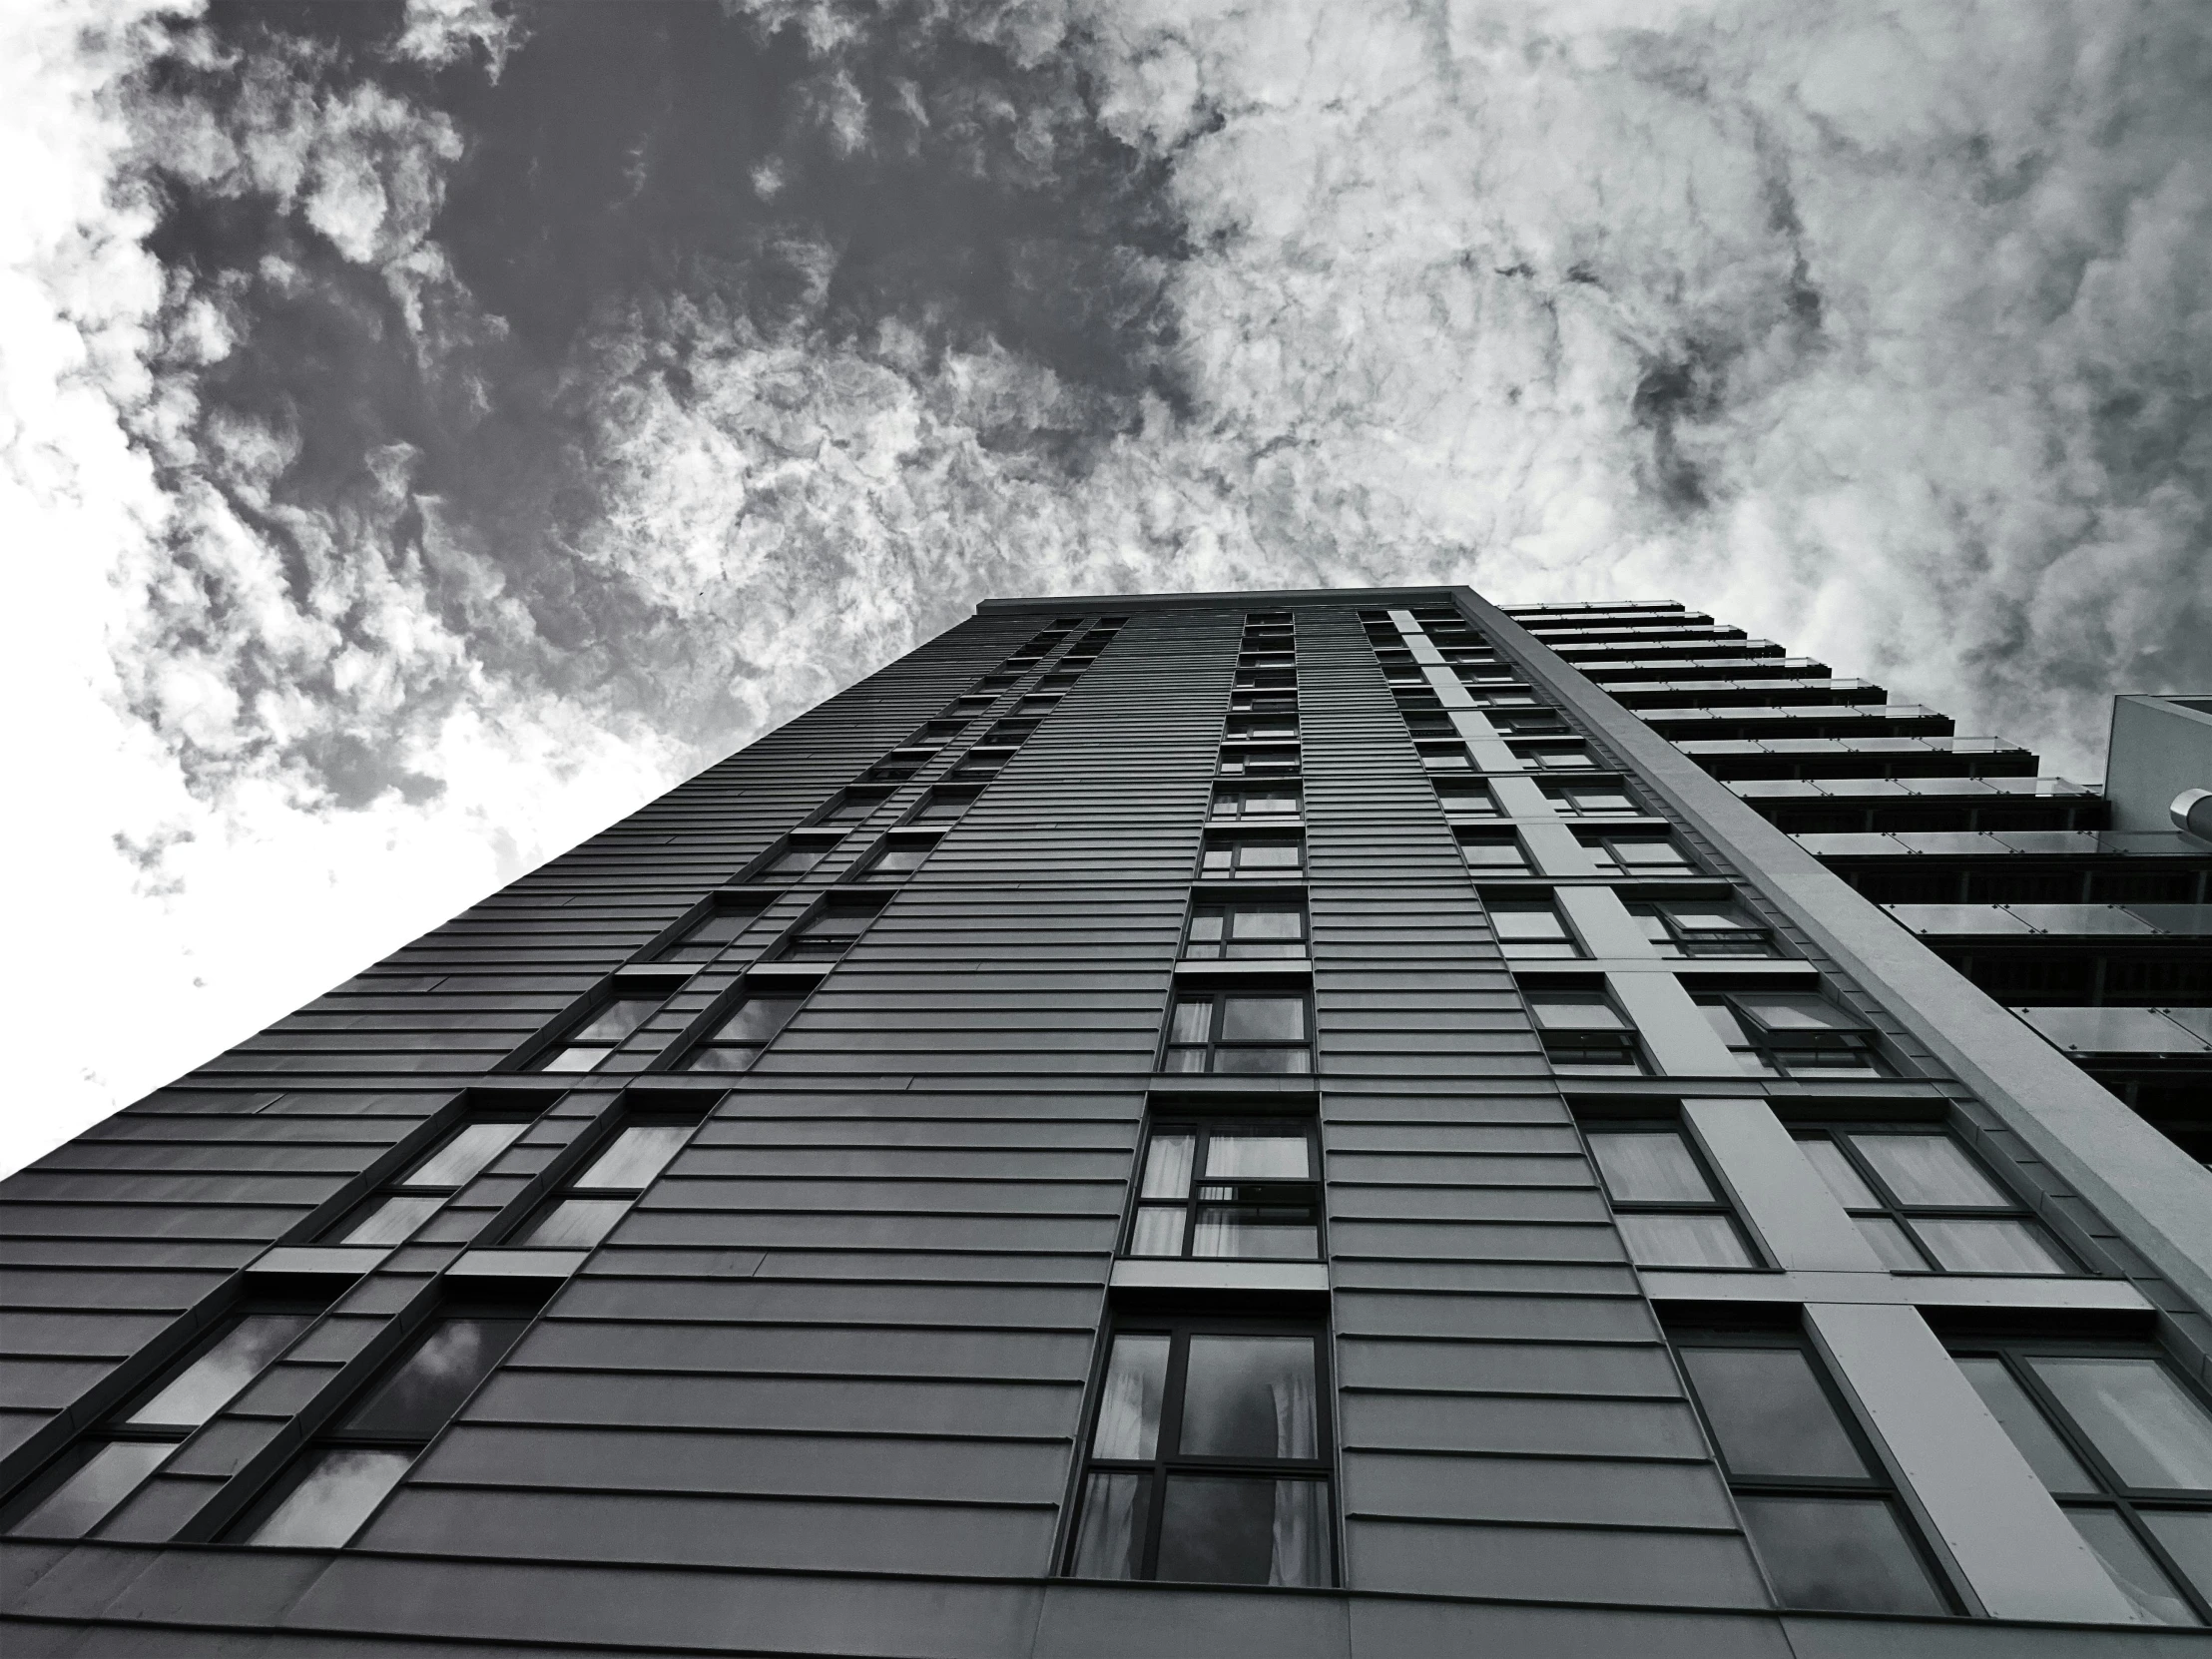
[(1237, 840), (752, 987), (370, 1204), (1227, 802), (1879, 1483), (1720, 1204), (857, 899), (1210, 897), (1218, 993), (1682, 938), (1530, 902), (1598, 841), (1235, 761), (1202, 1126), (865, 869), (1561, 1043), (1839, 1132), (2015, 1352), (1469, 834), (1762, 1044), (578, 1161), (765, 871), (1165, 1463), (747, 904), (652, 984)]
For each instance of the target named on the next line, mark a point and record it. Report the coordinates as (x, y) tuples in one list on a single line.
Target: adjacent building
[(1340, 1123)]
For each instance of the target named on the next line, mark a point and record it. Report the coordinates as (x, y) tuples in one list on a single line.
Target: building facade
[(1336, 1123)]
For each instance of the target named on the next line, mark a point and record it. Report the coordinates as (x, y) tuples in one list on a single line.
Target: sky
[(430, 431)]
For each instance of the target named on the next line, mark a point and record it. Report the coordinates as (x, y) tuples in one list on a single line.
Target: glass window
[(2125, 1446), (1262, 856), (942, 804), (1593, 799), (1638, 854), (1924, 1204), (72, 1496), (898, 858), (705, 938), (1669, 1212), (829, 931), (591, 1202), (390, 1216), (1245, 928), (1794, 1034), (600, 1032), (1257, 800), (1239, 1031), (1554, 757), (1260, 760), (1529, 929), (1465, 798), (737, 1041), (800, 852), (1228, 1189), (1493, 853), (1702, 927), (1445, 757), (853, 805), (1584, 1035), (1815, 1505), (332, 1487), (1209, 1459)]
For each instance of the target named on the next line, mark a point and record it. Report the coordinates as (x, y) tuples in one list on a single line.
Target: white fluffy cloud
[(1880, 331)]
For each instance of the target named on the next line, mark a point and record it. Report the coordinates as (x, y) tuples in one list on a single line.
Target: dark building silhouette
[(1334, 1123)]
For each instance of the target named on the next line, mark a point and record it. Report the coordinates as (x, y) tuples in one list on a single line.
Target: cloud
[(466, 420)]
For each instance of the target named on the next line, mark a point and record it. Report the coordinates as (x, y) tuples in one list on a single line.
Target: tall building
[(1332, 1123)]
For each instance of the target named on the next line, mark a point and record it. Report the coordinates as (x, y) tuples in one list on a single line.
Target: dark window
[(901, 855), (1493, 853), (1702, 927), (329, 1491), (981, 764), (589, 1204), (1253, 856), (1245, 927), (392, 1216), (1599, 798), (2125, 1445), (1209, 1457), (1923, 1202), (1528, 929), (600, 1032), (935, 733), (1239, 1031), (1465, 798), (1443, 756), (892, 771), (1669, 1211), (1638, 854), (801, 852), (1824, 1522), (1584, 1035), (71, 1496), (1526, 722), (829, 931), (996, 682), (1257, 800), (1554, 757), (1261, 728), (1258, 760), (1794, 1034), (703, 940), (942, 804), (1229, 1189), (853, 805), (736, 1041)]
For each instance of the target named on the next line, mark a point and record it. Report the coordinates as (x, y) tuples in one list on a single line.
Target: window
[(1261, 728), (1253, 856), (600, 1032), (736, 1041), (703, 940), (330, 1489), (1229, 1190), (966, 708), (1527, 723), (892, 771), (1638, 854), (1443, 756), (1923, 1202), (1244, 927), (1702, 927), (1528, 929), (1824, 1521), (981, 764), (942, 804), (77, 1491), (994, 682), (392, 1214), (901, 854), (1034, 708), (1553, 757), (2125, 1445), (588, 1206), (1464, 798), (829, 931), (1209, 1457), (1258, 760), (1584, 1035), (801, 852), (854, 803), (1668, 1211), (1599, 798), (1257, 800), (1239, 1031), (1493, 853), (1792, 1034)]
